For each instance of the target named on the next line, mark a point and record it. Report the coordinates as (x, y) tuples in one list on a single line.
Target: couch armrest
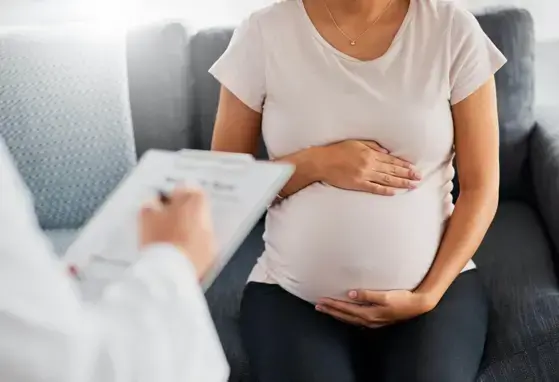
[(544, 162)]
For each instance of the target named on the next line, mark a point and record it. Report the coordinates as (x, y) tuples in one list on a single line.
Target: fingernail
[(353, 294), (417, 175), (385, 151), (319, 308), (413, 186)]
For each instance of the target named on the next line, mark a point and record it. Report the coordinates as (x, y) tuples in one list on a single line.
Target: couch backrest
[(206, 47), (64, 114), (160, 82)]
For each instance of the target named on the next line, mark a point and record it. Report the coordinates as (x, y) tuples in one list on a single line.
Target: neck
[(371, 8)]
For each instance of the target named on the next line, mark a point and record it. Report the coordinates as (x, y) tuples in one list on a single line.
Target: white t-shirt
[(324, 241)]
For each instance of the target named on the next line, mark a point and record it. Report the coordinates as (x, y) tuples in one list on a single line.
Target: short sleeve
[(241, 69), (474, 57)]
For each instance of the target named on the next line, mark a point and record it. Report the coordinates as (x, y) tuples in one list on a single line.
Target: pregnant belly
[(325, 241)]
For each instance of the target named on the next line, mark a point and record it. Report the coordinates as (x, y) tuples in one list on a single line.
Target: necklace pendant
[(352, 43)]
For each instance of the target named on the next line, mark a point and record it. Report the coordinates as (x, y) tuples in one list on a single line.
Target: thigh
[(445, 345), (287, 340)]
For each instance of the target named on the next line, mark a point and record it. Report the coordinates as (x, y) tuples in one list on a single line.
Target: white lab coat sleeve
[(151, 326), (157, 320)]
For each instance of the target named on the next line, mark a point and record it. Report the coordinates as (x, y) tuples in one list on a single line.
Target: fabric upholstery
[(513, 33), (206, 48), (545, 171), (224, 299), (61, 239), (158, 62), (516, 266), (64, 114)]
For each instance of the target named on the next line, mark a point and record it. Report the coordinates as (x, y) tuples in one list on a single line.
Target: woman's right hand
[(365, 166)]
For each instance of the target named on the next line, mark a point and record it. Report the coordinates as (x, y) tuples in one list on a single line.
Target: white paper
[(239, 191)]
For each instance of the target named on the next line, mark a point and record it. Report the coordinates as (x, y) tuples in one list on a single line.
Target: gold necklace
[(353, 41)]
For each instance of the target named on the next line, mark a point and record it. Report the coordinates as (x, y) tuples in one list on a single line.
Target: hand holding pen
[(181, 218)]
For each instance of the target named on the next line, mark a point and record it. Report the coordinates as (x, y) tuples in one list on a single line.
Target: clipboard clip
[(212, 159)]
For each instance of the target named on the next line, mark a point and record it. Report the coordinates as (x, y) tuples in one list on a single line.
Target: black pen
[(164, 198)]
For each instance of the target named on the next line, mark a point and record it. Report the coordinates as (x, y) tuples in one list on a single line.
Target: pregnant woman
[(366, 275)]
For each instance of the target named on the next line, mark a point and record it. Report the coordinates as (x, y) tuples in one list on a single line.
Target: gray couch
[(174, 100)]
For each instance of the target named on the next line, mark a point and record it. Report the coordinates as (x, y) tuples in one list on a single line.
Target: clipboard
[(239, 190)]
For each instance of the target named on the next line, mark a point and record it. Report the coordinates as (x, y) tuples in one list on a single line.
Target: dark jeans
[(287, 340)]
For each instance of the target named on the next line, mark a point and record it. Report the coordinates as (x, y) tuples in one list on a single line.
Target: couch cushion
[(158, 64), (64, 114), (512, 31), (544, 163), (516, 266), (224, 299), (61, 239)]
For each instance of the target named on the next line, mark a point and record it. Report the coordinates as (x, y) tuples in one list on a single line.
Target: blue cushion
[(65, 116)]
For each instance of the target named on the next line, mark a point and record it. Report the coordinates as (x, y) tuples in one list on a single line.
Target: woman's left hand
[(374, 309)]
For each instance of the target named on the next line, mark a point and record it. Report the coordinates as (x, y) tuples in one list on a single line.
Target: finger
[(369, 296), (375, 146), (397, 171), (193, 203), (449, 209), (148, 213), (341, 316), (450, 172), (391, 181), (448, 199), (346, 307), (371, 321), (390, 159), (181, 193), (375, 188), (184, 195), (448, 187), (149, 208)]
